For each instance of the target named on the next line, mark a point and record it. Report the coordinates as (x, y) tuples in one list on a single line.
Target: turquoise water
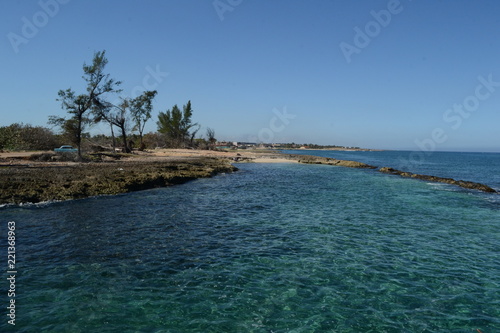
[(471, 166), (271, 248)]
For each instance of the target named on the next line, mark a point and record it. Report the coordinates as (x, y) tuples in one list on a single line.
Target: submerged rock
[(461, 183), (332, 161)]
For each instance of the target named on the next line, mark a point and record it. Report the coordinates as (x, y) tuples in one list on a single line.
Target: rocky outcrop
[(354, 164), (44, 182), (461, 183), (331, 161)]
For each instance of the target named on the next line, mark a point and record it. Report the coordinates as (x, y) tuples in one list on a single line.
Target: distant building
[(244, 145), (235, 145)]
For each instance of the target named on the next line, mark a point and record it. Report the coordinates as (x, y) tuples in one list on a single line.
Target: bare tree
[(211, 138), (114, 115)]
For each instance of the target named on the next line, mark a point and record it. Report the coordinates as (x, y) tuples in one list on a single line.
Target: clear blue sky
[(242, 64)]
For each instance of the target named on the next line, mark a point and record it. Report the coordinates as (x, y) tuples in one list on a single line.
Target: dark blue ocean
[(270, 248)]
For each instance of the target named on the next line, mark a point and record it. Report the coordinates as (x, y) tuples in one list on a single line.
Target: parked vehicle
[(66, 149)]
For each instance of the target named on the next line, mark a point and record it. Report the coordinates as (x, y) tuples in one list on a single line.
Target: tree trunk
[(79, 138), (124, 138), (113, 137), (141, 147)]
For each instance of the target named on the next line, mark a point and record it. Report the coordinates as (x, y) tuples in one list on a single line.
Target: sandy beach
[(255, 156), (264, 156)]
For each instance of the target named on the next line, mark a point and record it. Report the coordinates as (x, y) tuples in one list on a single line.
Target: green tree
[(27, 137), (177, 125), (187, 124), (98, 85), (9, 136), (140, 109), (69, 128), (37, 138)]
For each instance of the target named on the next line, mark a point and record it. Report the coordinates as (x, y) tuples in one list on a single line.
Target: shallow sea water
[(271, 248)]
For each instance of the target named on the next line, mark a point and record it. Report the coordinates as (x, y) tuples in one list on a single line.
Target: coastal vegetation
[(177, 126), (79, 106), (128, 117), (118, 115), (20, 136)]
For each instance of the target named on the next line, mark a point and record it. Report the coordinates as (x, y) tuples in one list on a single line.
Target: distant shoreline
[(335, 149)]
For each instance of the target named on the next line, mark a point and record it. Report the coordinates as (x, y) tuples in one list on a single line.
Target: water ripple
[(263, 251)]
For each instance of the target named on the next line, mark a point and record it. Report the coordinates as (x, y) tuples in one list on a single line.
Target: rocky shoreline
[(434, 179), (38, 182), (307, 159), (26, 179)]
